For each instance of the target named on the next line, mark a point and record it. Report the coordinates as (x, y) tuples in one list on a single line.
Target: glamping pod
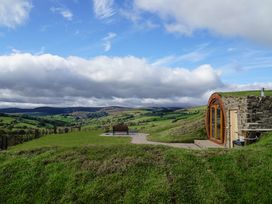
[(238, 118)]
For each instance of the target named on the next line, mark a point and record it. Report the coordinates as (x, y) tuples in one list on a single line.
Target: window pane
[(218, 123), (213, 122)]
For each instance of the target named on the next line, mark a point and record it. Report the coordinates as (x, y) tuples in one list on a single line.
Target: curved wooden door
[(216, 124)]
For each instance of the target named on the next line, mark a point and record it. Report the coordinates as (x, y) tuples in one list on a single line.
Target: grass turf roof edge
[(245, 93)]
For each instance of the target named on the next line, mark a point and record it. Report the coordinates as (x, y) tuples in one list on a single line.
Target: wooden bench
[(120, 128)]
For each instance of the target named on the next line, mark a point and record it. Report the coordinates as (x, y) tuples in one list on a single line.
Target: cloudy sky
[(131, 52)]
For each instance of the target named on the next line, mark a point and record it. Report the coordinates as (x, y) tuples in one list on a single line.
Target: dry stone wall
[(259, 112), (254, 112)]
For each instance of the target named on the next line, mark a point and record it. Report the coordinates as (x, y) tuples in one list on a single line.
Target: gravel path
[(141, 139)]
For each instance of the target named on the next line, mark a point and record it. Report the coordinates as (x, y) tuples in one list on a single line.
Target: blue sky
[(134, 53)]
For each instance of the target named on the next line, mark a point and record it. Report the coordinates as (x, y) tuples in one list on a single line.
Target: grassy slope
[(22, 123), (6, 119), (138, 174), (73, 139), (68, 119), (186, 129)]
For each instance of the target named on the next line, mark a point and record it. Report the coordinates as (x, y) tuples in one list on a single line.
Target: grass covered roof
[(246, 93)]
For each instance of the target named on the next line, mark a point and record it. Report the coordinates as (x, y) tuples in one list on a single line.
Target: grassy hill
[(185, 128), (19, 121), (116, 173)]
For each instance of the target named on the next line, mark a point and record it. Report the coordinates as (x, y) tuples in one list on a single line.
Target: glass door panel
[(216, 123), (212, 122)]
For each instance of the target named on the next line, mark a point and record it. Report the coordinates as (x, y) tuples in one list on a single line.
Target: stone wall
[(259, 112), (254, 112)]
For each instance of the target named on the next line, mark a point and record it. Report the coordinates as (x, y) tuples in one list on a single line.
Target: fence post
[(4, 143), (55, 130), (1, 142)]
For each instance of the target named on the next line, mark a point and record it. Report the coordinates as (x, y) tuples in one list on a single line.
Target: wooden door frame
[(230, 126), (221, 140), (213, 98)]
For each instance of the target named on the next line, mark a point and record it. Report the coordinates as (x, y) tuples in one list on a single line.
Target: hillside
[(136, 174), (162, 124)]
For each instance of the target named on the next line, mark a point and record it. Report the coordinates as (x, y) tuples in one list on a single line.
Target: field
[(135, 174), (84, 167), (73, 139)]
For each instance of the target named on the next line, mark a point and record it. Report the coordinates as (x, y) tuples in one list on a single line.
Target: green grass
[(22, 125), (74, 139), (6, 119), (186, 129), (67, 119), (246, 93), (18, 122), (137, 174), (15, 122)]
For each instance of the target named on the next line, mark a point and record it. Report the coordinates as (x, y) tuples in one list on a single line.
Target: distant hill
[(49, 110), (67, 110)]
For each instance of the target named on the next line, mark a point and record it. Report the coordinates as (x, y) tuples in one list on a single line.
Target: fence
[(3, 143)]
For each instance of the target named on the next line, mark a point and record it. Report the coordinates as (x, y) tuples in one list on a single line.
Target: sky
[(134, 53)]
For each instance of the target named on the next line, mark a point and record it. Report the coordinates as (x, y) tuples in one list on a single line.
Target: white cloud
[(56, 81), (140, 23), (103, 8), (178, 28), (64, 12), (107, 41), (14, 12), (244, 18), (130, 14), (194, 56)]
